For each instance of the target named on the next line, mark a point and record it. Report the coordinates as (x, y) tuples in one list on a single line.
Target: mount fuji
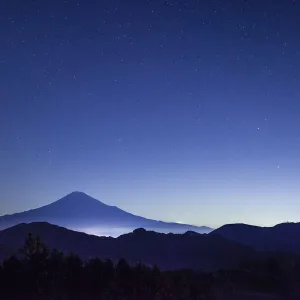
[(80, 212)]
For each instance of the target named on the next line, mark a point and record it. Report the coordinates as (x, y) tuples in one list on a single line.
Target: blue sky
[(175, 110)]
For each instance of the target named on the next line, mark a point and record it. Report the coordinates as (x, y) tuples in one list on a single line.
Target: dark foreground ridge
[(168, 251), (81, 212), (38, 273)]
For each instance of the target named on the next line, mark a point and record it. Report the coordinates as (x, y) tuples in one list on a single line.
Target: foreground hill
[(38, 273), (282, 237), (168, 251), (80, 212)]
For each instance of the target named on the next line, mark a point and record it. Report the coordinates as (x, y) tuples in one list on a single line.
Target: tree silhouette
[(40, 274), (34, 249)]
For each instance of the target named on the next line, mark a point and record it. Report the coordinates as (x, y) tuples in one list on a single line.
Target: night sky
[(179, 110)]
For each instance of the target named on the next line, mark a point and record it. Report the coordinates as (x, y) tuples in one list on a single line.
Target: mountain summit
[(80, 212)]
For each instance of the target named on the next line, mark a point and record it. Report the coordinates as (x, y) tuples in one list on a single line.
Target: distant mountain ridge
[(282, 237), (200, 252), (81, 212)]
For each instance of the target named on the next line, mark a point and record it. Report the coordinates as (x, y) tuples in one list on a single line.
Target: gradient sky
[(179, 110)]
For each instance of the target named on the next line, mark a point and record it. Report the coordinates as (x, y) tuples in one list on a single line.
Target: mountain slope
[(168, 251), (81, 212), (282, 237)]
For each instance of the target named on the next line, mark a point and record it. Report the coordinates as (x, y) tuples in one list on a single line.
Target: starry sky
[(178, 110)]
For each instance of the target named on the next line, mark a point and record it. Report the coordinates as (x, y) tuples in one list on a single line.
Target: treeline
[(37, 273)]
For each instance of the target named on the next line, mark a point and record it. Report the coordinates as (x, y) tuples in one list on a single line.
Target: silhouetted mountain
[(81, 212), (282, 237), (168, 251), (37, 273)]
